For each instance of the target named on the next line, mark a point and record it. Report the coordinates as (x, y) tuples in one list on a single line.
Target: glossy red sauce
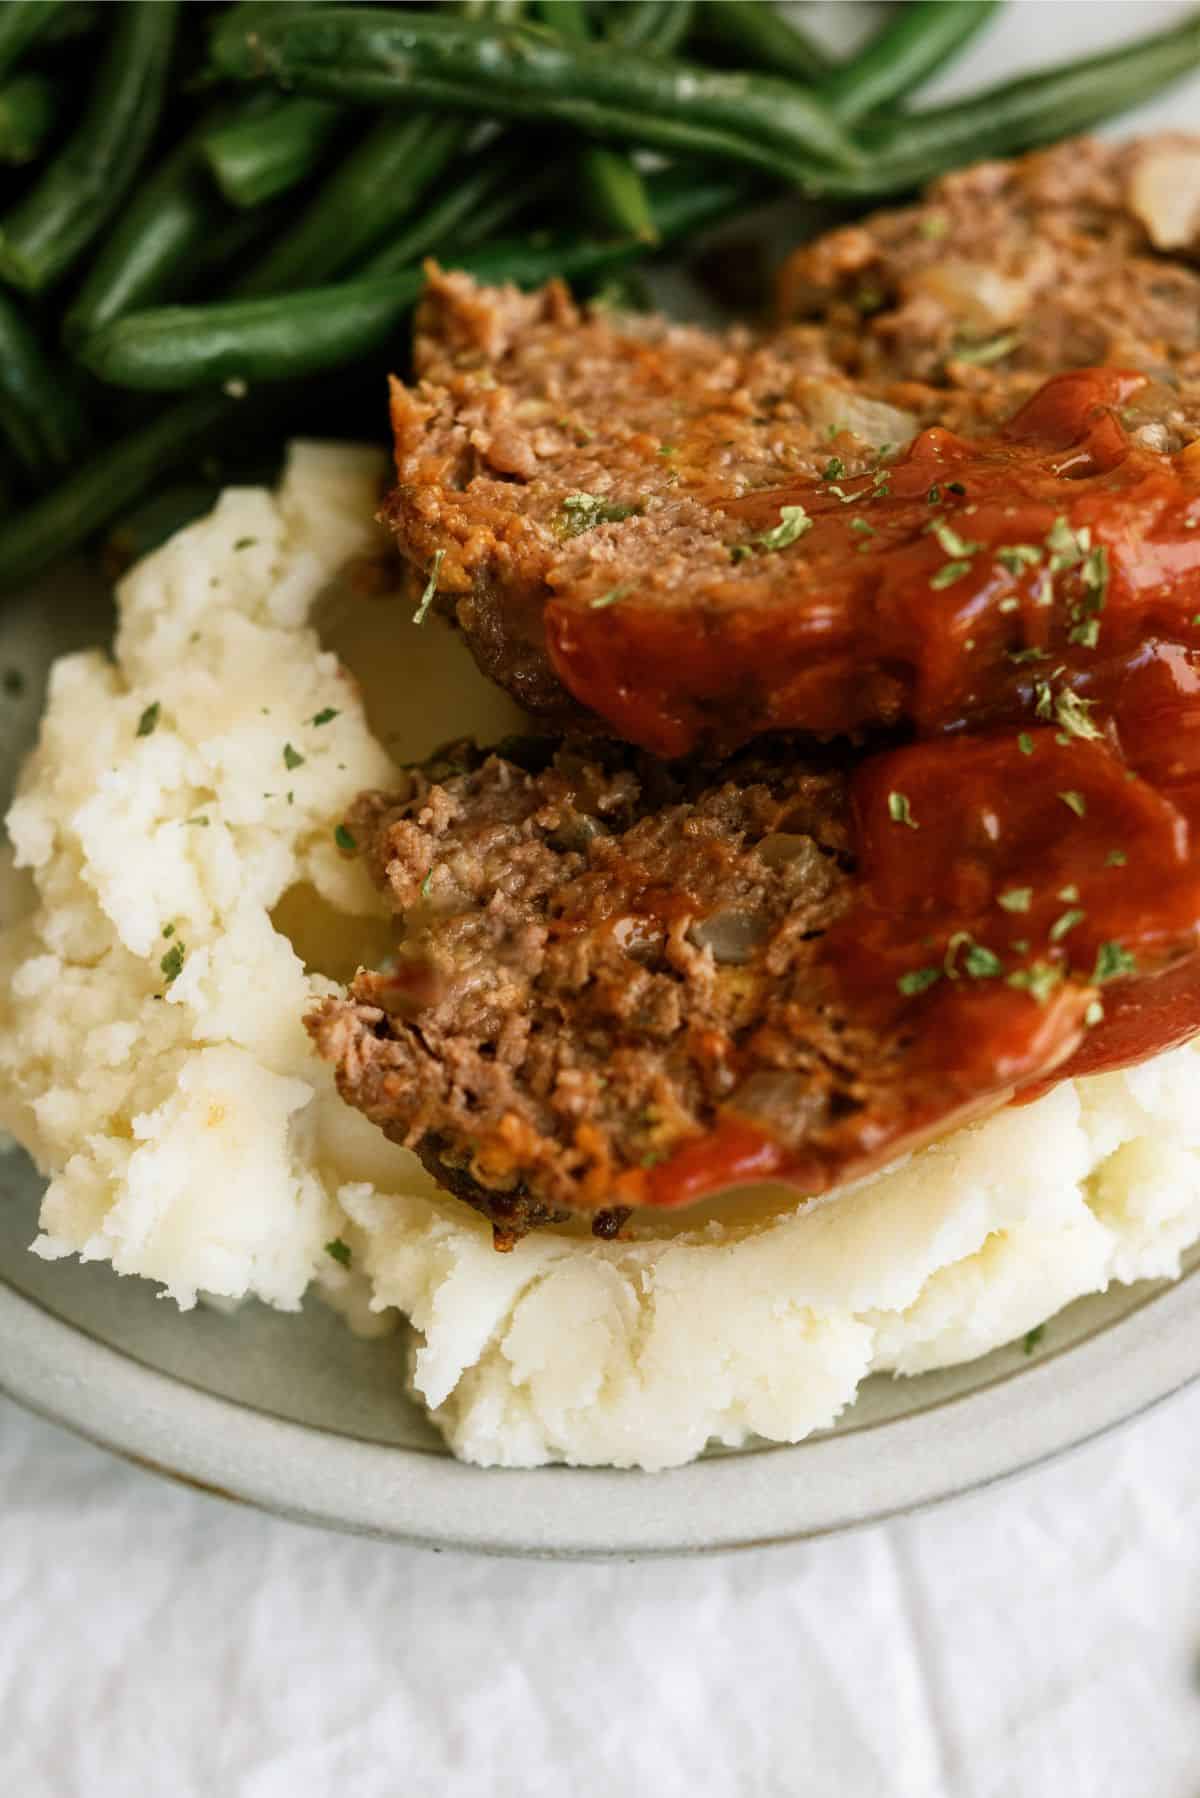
[(1031, 897), (940, 590)]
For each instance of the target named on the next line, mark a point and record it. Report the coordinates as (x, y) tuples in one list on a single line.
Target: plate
[(293, 1413)]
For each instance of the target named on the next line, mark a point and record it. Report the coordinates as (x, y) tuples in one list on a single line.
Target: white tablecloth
[(1039, 1640)]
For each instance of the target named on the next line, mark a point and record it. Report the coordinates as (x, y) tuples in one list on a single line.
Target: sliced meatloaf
[(618, 983), (605, 472)]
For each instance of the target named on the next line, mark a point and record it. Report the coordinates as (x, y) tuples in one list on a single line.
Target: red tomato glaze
[(1031, 878)]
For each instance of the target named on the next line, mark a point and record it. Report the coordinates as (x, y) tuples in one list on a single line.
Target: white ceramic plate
[(295, 1414)]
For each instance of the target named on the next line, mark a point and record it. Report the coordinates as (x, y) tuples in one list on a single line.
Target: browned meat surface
[(548, 455), (1009, 271)]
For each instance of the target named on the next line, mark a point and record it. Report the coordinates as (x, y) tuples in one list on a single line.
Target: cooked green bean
[(285, 338), (760, 37), (235, 237), (85, 183), (376, 186), (484, 194), (377, 55), (105, 486), (43, 421), (1053, 103), (255, 158), (655, 26), (18, 434), (28, 114), (75, 19), (161, 227), (612, 183), (916, 41), (22, 23)]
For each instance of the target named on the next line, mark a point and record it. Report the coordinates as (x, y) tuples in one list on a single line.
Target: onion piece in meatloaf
[(598, 495)]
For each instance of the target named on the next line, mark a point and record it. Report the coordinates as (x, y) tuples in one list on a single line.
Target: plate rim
[(822, 1486)]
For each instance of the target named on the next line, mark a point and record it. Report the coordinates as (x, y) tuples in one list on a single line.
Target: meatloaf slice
[(620, 984), (587, 490), (1009, 271)]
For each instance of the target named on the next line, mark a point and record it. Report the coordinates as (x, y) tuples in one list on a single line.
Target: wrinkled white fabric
[(1037, 1640)]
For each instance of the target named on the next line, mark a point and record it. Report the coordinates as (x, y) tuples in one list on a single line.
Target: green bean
[(1035, 109), (611, 181), (761, 38), (106, 485), (28, 114), (656, 26), (43, 420), (285, 338), (22, 23), (541, 184), (484, 194), (71, 21), (147, 252), (378, 56), (19, 436), (85, 183), (378, 183), (255, 158), (237, 235), (916, 40)]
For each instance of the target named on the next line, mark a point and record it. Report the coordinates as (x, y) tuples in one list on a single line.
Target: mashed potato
[(188, 901)]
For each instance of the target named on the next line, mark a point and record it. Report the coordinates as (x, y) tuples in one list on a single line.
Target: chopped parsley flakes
[(1111, 962), (584, 511), (1067, 922), (343, 839), (611, 597), (949, 540), (172, 962), (1032, 1338), (793, 522), (1039, 981), (1016, 899), (993, 350), (948, 574), (900, 812), (427, 596), (1067, 547), (324, 717), (1073, 714), (918, 981), (292, 757), (1076, 801), (1017, 557), (148, 722), (979, 962), (338, 1251)]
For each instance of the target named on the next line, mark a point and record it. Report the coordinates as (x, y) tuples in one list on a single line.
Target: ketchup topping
[(1029, 605), (945, 590)]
